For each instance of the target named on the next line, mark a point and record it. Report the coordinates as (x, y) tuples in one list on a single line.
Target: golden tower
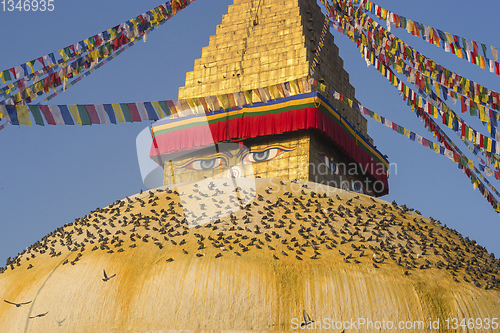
[(265, 42), (262, 44)]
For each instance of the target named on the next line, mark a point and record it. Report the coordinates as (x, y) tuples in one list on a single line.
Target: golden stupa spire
[(265, 42)]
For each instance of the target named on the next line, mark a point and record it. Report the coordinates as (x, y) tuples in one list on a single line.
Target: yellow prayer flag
[(471, 164), (466, 87), (437, 148), (481, 62), (293, 84), (158, 109), (438, 90), (223, 101), (407, 133), (490, 142), (485, 98), (376, 117), (30, 64), (118, 111), (449, 37), (63, 55), (482, 114), (23, 115), (17, 97), (272, 90), (73, 109), (248, 93)]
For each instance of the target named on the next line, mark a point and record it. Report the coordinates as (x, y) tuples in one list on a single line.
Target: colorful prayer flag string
[(130, 28), (449, 42), (136, 112)]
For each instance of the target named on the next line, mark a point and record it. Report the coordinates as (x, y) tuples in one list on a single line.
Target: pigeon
[(106, 278), (16, 304)]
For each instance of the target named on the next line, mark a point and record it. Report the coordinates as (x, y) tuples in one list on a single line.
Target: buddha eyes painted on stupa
[(228, 158)]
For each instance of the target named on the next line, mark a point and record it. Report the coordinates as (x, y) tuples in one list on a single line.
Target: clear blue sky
[(54, 174)]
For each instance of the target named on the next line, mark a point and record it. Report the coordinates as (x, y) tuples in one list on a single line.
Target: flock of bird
[(281, 223)]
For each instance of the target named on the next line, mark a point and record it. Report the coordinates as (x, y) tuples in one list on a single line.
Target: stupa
[(267, 49), (232, 243)]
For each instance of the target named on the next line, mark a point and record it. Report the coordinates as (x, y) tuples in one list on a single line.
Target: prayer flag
[(66, 115), (84, 115), (126, 112), (94, 118), (23, 115), (494, 51), (111, 113), (35, 111), (47, 114)]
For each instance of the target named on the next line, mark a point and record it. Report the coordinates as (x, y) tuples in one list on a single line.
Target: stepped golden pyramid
[(254, 254)]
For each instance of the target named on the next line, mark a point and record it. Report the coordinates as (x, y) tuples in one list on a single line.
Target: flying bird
[(106, 278), (307, 319), (39, 315), (16, 304)]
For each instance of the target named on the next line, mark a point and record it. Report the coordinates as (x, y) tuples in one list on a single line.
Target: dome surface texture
[(274, 252)]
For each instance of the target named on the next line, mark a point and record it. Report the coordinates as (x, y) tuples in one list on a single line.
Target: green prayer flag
[(484, 49), (84, 115), (473, 110), (6, 75), (35, 111), (126, 112), (165, 108)]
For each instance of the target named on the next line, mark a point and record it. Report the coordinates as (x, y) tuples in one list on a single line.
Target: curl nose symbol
[(234, 172)]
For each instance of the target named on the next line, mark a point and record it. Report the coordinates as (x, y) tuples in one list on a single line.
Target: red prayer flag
[(13, 71), (476, 49), (94, 118), (47, 114), (134, 113), (97, 41), (464, 106), (41, 61)]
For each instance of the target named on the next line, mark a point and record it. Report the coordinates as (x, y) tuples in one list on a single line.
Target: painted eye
[(345, 186), (331, 165), (205, 164), (356, 186), (262, 156)]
